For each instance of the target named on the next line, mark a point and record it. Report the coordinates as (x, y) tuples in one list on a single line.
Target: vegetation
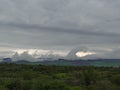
[(40, 77)]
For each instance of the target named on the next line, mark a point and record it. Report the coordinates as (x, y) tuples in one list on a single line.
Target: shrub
[(15, 85)]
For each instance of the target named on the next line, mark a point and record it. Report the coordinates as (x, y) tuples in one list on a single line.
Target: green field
[(40, 77)]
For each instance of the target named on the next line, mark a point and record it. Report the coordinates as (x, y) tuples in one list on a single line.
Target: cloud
[(59, 30), (115, 54), (23, 56), (36, 56), (59, 24), (89, 53)]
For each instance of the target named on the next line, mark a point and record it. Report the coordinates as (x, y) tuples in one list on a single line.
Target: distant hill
[(97, 62), (63, 62), (6, 60), (21, 62)]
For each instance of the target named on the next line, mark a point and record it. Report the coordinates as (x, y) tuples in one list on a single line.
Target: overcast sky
[(59, 25)]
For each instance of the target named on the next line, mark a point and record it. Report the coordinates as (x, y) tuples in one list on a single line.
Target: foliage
[(39, 77)]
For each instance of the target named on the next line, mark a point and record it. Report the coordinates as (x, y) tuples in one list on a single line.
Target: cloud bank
[(59, 25)]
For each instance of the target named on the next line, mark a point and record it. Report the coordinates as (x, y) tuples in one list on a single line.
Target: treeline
[(40, 77)]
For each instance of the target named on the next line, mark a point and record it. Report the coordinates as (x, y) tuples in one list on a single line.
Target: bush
[(116, 79), (102, 85), (15, 85)]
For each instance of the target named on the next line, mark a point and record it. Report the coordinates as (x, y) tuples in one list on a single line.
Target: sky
[(59, 26)]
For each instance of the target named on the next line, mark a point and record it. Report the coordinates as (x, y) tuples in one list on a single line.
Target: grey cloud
[(115, 54), (59, 30), (56, 36), (59, 24)]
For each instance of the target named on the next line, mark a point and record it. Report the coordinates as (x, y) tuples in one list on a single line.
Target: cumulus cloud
[(23, 56), (85, 54), (36, 56)]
